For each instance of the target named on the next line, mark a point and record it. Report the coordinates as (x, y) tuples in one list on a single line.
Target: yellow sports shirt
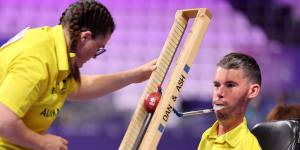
[(33, 77), (239, 138)]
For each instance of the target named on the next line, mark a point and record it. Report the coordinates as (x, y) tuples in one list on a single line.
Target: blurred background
[(268, 30)]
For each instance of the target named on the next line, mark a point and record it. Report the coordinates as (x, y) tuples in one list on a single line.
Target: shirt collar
[(231, 137), (61, 52)]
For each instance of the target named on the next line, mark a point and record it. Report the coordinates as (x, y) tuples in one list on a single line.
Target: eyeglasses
[(100, 51)]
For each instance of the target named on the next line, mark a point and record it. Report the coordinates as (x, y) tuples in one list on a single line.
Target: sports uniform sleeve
[(23, 84), (72, 86)]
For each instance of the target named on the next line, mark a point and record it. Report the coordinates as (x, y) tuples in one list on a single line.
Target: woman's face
[(88, 46)]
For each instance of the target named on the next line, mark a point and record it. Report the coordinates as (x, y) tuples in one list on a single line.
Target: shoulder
[(39, 38), (250, 141), (35, 49), (29, 42), (206, 132), (253, 139)]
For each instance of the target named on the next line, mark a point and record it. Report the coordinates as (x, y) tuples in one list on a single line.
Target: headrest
[(278, 135)]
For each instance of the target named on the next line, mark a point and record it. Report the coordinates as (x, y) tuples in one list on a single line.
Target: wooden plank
[(179, 75)]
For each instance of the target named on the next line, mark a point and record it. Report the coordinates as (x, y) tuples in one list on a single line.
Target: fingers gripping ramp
[(185, 59)]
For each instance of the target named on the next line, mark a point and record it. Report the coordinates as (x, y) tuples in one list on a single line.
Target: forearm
[(16, 132), (98, 85)]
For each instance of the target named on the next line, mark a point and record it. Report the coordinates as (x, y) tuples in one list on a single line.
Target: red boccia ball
[(152, 101)]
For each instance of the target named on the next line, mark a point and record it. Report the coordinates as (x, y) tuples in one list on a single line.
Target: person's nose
[(220, 92)]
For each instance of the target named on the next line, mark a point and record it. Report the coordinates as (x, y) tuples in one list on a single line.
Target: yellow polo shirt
[(239, 138), (33, 77)]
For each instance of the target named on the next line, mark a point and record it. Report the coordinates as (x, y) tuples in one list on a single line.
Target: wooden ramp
[(158, 121)]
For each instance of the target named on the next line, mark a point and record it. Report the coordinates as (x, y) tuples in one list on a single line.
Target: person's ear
[(253, 91), (84, 36)]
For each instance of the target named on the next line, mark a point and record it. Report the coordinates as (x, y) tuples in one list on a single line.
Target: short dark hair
[(242, 61)]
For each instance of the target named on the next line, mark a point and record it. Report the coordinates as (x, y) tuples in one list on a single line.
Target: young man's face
[(231, 90)]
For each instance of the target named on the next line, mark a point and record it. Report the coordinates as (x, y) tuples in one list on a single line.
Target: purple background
[(142, 28)]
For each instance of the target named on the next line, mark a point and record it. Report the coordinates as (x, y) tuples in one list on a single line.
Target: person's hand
[(143, 72), (53, 142)]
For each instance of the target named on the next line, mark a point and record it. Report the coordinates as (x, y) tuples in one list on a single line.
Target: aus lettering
[(49, 112)]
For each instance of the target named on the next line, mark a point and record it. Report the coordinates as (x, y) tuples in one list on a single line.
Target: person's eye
[(230, 85), (216, 85)]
